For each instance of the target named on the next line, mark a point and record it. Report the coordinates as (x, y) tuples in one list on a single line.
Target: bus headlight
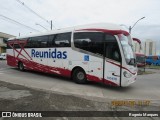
[(127, 74)]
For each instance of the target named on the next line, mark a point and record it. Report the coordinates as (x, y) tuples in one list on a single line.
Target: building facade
[(158, 52), (3, 39), (149, 47)]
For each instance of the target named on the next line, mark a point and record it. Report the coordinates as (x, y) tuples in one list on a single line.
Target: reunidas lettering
[(51, 53)]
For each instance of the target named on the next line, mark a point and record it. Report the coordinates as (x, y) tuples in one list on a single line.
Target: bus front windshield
[(127, 49)]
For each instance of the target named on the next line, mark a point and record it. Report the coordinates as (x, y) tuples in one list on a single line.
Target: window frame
[(89, 47)]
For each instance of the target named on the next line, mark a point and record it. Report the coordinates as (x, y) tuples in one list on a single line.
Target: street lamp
[(130, 28), (41, 26)]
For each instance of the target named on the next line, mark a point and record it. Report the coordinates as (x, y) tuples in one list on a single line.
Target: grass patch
[(145, 72), (153, 67)]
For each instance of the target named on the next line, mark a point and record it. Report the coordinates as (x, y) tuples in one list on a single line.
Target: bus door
[(112, 61)]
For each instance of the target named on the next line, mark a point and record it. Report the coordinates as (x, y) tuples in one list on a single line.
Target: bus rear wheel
[(21, 66), (79, 76)]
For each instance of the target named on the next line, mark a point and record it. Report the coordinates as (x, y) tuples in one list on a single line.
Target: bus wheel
[(21, 66), (79, 76)]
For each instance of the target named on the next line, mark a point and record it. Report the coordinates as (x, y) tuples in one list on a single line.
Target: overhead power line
[(41, 26), (16, 22), (22, 3)]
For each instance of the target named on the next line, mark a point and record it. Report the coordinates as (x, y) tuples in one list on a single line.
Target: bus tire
[(79, 76), (21, 66)]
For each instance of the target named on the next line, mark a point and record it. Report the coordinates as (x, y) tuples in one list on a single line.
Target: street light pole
[(51, 24), (130, 28)]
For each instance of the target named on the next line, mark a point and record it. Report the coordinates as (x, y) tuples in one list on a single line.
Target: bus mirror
[(132, 61)]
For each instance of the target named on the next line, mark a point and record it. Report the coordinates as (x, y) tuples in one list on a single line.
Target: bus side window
[(29, 43), (37, 42), (112, 49), (89, 41), (34, 43), (8, 46), (42, 41), (19, 45), (63, 40), (16, 46), (51, 42)]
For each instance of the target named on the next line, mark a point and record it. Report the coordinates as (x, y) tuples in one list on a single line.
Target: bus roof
[(137, 40), (96, 27)]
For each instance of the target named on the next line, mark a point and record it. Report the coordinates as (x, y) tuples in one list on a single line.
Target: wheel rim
[(21, 66), (80, 75)]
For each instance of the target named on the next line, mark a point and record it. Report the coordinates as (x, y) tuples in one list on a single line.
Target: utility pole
[(51, 25)]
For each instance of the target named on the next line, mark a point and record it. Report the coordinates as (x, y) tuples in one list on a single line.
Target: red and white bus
[(97, 52), (140, 57)]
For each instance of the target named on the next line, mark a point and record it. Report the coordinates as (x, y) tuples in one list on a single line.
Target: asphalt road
[(147, 87)]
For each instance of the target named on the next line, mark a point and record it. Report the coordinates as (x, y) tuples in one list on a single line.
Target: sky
[(68, 13)]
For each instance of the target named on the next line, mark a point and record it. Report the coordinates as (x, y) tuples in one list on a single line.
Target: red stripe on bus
[(113, 32), (96, 79), (121, 67), (30, 65)]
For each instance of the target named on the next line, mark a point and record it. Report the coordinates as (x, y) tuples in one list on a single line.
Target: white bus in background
[(97, 52)]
